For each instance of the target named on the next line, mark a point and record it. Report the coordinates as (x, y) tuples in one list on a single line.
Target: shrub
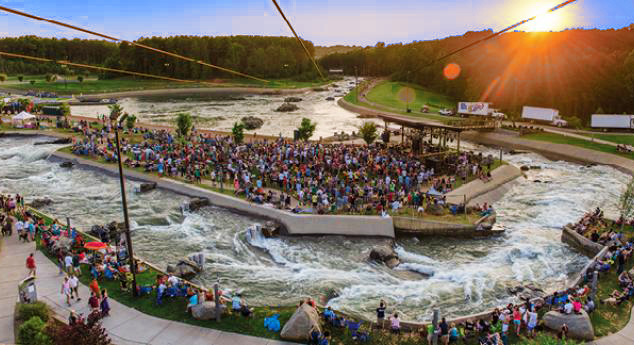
[(306, 129), (79, 334), (27, 311), (184, 124), (31, 332)]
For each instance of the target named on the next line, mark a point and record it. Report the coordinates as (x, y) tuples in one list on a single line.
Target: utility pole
[(126, 219)]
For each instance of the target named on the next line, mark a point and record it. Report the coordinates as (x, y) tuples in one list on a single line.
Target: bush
[(238, 132), (574, 122), (184, 124), (79, 334), (31, 332), (306, 129), (27, 311)]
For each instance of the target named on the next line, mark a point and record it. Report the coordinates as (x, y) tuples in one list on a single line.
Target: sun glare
[(545, 21)]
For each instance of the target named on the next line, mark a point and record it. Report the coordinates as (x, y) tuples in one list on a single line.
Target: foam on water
[(468, 275)]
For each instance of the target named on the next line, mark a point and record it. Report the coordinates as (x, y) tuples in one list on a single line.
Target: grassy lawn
[(92, 85), (387, 100), (626, 139), (386, 93), (608, 319), (560, 139)]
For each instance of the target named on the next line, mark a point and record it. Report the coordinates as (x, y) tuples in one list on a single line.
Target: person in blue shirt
[(235, 303), (193, 300)]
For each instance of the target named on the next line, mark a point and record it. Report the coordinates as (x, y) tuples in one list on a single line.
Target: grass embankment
[(93, 85), (561, 139), (607, 319), (385, 98)]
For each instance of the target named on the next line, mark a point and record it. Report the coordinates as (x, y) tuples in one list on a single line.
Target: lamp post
[(126, 219)]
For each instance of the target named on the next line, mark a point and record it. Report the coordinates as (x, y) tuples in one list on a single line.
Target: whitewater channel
[(468, 275)]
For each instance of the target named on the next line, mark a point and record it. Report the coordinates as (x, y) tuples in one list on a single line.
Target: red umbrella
[(95, 245)]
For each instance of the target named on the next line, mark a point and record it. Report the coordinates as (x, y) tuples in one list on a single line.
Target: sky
[(324, 22)]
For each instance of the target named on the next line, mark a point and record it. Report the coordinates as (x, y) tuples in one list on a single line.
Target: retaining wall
[(367, 226), (475, 188), (580, 242), (421, 227)]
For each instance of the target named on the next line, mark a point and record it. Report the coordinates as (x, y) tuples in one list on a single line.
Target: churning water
[(468, 275), (220, 112)]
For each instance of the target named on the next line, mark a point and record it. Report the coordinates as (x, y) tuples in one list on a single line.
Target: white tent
[(23, 116)]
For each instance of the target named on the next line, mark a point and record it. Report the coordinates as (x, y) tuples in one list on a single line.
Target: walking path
[(125, 325)]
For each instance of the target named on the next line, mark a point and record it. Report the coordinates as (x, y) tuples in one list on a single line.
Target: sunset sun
[(545, 20)]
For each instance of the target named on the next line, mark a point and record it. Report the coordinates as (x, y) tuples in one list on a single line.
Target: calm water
[(469, 275)]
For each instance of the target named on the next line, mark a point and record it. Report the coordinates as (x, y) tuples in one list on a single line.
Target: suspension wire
[(174, 55), (106, 69), (279, 9), (563, 4)]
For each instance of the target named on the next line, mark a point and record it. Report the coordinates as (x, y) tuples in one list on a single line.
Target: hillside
[(323, 51), (575, 71)]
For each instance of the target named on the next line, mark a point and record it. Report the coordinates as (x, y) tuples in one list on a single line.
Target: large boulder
[(298, 327), (252, 122), (38, 203), (67, 164), (579, 325), (292, 99), (286, 107), (186, 269), (147, 186), (386, 255), (206, 310), (197, 203)]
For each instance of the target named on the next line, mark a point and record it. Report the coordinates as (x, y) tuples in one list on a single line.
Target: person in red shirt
[(94, 287), (30, 264)]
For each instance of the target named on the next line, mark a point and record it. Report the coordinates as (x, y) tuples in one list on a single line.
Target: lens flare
[(452, 71)]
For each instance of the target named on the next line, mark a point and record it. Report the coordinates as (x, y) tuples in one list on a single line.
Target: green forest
[(579, 72), (261, 56)]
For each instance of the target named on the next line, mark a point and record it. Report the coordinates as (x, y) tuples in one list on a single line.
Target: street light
[(113, 117)]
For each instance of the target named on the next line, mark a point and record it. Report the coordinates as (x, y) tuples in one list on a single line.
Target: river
[(469, 275), (220, 112)]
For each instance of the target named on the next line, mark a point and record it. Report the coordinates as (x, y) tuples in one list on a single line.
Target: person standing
[(380, 314), (74, 287), (105, 303), (66, 291), (444, 331), (30, 265), (532, 323)]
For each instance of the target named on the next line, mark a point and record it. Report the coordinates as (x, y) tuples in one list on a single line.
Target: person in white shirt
[(568, 307), (68, 263), (532, 323), (74, 284), (173, 280)]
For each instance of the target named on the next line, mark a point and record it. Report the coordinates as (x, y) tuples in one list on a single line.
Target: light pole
[(126, 219)]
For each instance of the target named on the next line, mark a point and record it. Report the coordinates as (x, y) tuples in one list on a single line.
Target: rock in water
[(525, 168), (147, 186), (386, 255), (37, 203), (579, 325), (198, 203), (67, 164), (206, 310), (330, 98), (286, 107), (292, 99), (298, 327), (252, 122)]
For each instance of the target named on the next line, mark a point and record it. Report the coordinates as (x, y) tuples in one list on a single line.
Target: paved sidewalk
[(12, 271), (623, 337), (125, 325)]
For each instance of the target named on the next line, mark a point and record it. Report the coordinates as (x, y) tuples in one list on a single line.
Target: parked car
[(445, 112)]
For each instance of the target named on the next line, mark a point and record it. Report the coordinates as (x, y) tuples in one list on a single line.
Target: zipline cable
[(563, 4), (279, 9), (68, 63), (31, 16)]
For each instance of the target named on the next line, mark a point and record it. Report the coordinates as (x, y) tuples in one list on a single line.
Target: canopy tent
[(23, 116)]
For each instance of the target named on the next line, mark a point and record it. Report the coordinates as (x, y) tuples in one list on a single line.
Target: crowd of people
[(320, 177), (597, 228)]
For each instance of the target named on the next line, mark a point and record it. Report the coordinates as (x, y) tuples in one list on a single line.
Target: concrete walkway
[(623, 337), (125, 325), (12, 271), (475, 188)]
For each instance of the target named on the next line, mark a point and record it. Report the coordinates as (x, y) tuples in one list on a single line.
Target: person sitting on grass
[(329, 315), (193, 300)]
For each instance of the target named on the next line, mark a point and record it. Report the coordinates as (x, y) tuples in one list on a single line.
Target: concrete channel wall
[(367, 226), (580, 242)]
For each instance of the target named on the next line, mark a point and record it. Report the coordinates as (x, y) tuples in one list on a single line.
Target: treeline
[(578, 72), (262, 56)]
